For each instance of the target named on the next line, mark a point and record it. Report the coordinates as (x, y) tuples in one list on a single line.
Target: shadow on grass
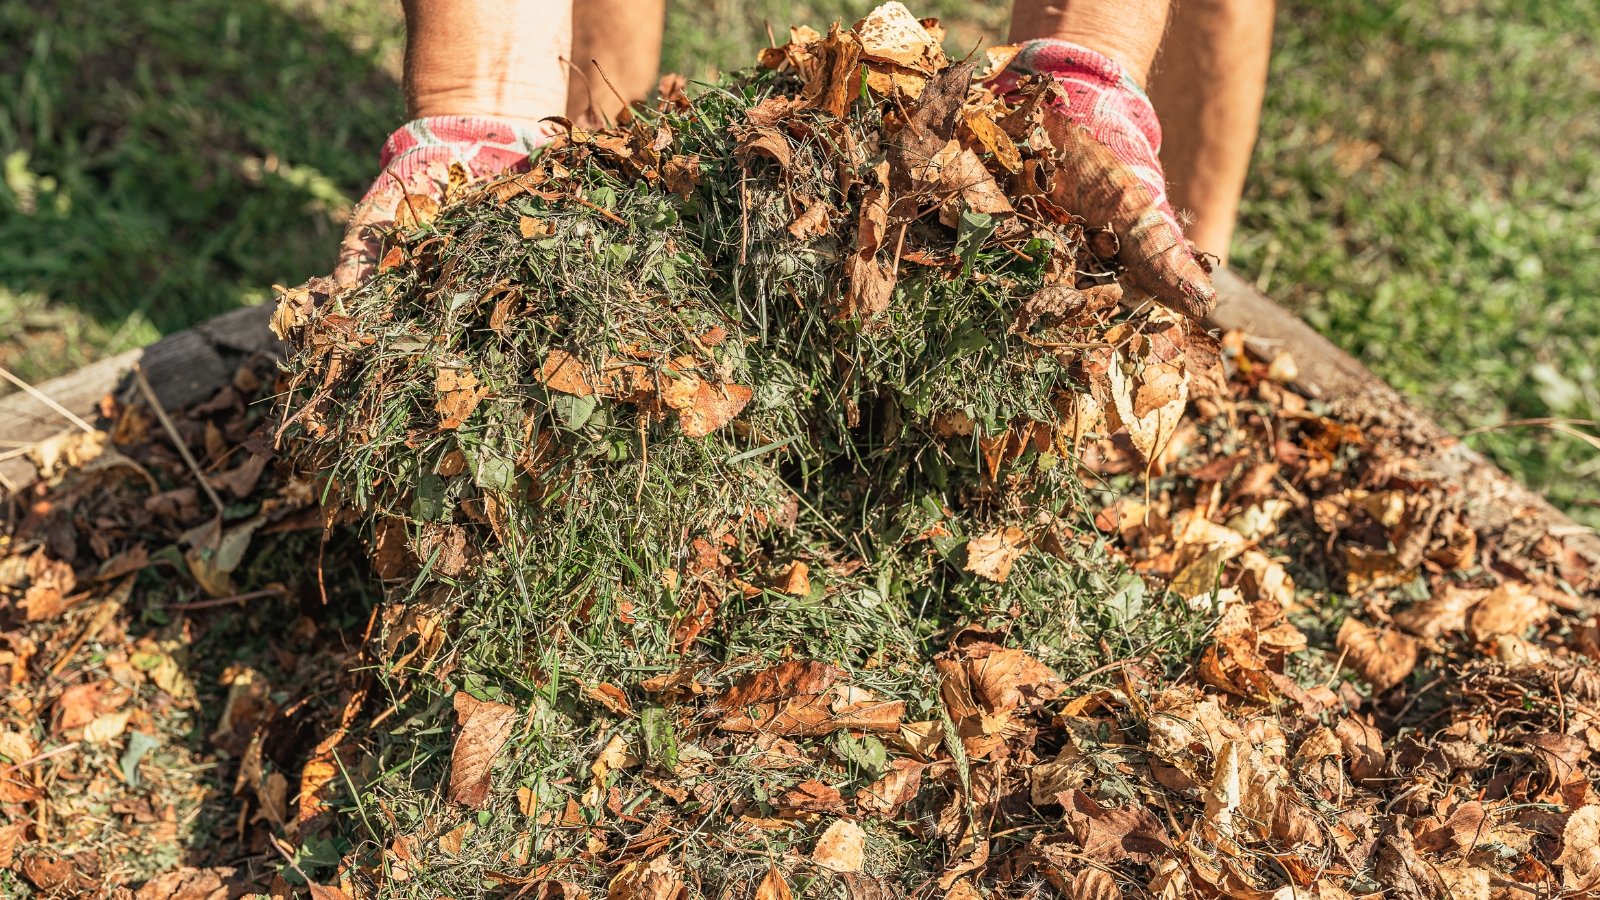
[(164, 162)]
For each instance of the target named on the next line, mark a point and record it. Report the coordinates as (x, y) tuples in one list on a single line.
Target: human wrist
[(1127, 33)]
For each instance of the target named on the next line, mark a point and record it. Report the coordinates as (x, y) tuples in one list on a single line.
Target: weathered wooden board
[(183, 368), (1520, 519)]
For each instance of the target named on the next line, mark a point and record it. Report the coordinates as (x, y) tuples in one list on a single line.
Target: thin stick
[(40, 396), (616, 93), (240, 599), (172, 432), (64, 748), (599, 209)]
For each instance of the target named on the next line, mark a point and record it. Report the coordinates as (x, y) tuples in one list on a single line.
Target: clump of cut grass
[(728, 388)]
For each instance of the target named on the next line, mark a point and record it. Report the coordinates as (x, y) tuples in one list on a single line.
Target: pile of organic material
[(786, 375), (776, 497)]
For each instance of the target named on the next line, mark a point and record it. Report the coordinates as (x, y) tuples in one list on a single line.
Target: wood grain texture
[(183, 368)]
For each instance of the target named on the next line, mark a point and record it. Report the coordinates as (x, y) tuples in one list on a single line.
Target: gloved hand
[(1107, 132), (416, 160)]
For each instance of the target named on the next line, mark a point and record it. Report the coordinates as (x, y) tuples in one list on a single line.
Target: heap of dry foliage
[(842, 535)]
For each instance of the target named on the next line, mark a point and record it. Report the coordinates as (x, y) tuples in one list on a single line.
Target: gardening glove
[(1106, 131), (416, 160)]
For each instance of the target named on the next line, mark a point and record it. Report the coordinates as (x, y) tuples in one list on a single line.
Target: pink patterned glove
[(416, 161), (1106, 129)]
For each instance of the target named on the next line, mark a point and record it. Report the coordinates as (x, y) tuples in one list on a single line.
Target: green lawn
[(1426, 188)]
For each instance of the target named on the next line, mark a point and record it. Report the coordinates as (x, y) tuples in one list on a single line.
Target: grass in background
[(164, 162), (1426, 189)]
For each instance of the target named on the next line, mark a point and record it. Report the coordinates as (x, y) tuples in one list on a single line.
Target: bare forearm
[(499, 58), (1128, 31)]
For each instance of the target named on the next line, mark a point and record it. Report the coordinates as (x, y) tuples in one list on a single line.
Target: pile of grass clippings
[(769, 396), (777, 496)]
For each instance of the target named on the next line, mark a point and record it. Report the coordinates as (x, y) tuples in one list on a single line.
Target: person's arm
[(1099, 54), (1128, 31), (480, 77), (499, 59)]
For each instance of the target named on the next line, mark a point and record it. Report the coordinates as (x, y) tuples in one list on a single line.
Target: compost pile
[(780, 496)]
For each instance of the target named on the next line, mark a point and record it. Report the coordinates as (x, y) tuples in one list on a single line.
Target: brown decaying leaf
[(899, 786), (841, 707), (841, 848), (187, 884), (485, 726), (773, 886), (990, 555), (1383, 657), (658, 879), (1510, 609), (1110, 834), (1094, 884), (789, 679), (456, 394)]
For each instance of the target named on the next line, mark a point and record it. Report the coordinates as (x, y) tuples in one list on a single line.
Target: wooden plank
[(183, 368), (1521, 521)]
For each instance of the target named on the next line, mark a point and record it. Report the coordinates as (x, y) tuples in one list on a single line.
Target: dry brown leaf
[(996, 141), (1094, 884), (485, 727), (658, 879), (1580, 848), (841, 848), (564, 372), (187, 884), (416, 210), (1510, 609), (713, 406), (991, 554), (812, 795), (812, 223), (1363, 746), (1006, 678), (456, 394), (611, 697), (450, 842), (890, 33), (1443, 613), (899, 786), (1110, 834), (1149, 406), (790, 679), (796, 580), (106, 728), (530, 227), (1382, 657), (682, 174), (773, 886)]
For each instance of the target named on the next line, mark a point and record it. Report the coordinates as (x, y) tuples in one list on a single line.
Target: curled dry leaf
[(1510, 609), (1383, 657), (1094, 884), (841, 848), (1580, 848), (789, 679), (773, 886), (890, 33), (991, 554), (456, 394), (895, 789), (485, 728), (658, 879)]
